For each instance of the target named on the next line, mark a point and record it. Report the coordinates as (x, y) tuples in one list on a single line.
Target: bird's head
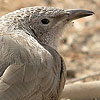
[(47, 23)]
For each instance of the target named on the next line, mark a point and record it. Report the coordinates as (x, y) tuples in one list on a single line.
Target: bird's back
[(27, 72)]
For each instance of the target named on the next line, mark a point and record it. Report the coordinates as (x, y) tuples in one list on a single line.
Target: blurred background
[(80, 43)]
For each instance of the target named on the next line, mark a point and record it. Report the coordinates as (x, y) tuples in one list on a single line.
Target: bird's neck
[(53, 42)]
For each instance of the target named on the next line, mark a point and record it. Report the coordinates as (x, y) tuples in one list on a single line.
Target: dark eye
[(45, 21)]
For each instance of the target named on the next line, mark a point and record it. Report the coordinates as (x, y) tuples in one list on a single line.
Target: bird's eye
[(45, 21)]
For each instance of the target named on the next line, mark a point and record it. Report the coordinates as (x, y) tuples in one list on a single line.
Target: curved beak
[(76, 14)]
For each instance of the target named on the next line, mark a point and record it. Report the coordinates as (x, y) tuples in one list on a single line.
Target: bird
[(30, 66)]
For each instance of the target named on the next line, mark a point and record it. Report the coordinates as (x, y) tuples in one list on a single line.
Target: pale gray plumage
[(30, 67)]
